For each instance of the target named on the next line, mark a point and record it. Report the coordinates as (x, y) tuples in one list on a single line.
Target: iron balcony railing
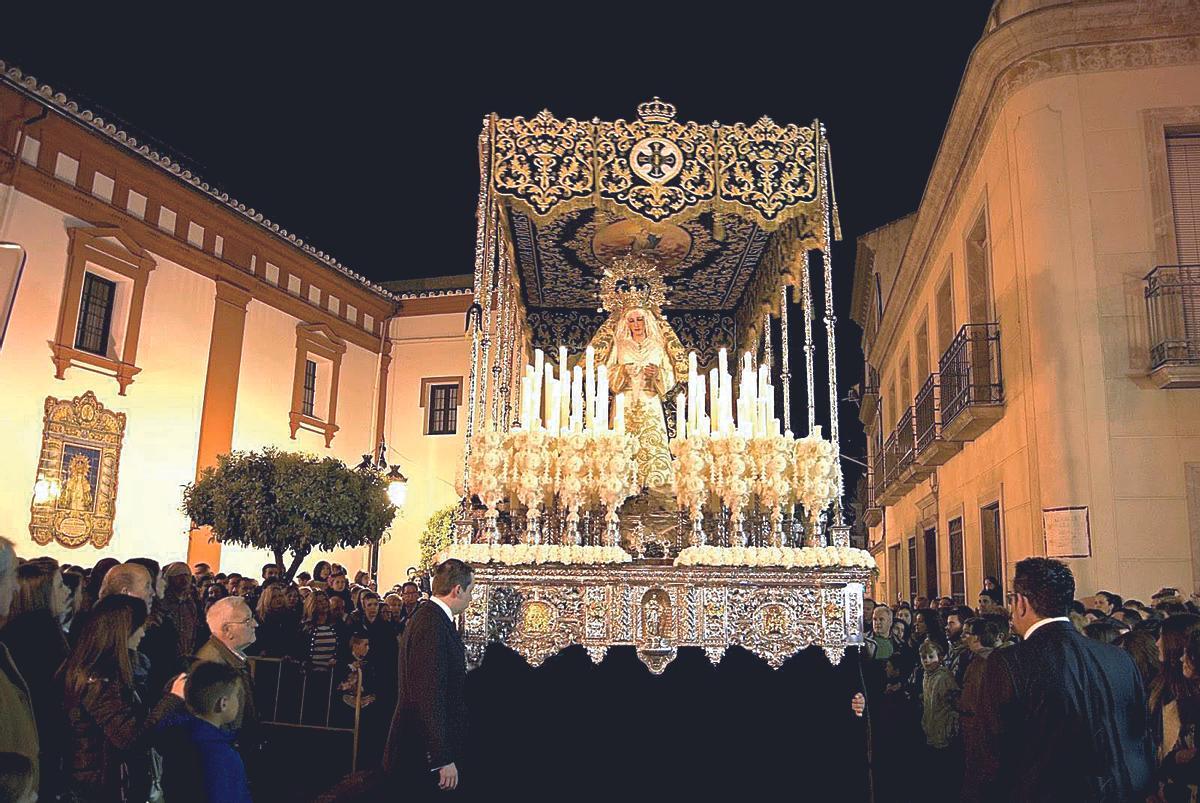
[(878, 473), (1173, 312), (970, 370), (929, 423), (901, 447)]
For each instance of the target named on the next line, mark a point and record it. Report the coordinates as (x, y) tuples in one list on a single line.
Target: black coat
[(38, 648), (429, 727), (1063, 718)]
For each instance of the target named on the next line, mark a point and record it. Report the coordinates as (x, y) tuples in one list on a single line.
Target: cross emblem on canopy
[(656, 160)]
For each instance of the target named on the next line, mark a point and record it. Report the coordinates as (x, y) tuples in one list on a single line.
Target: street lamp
[(397, 492)]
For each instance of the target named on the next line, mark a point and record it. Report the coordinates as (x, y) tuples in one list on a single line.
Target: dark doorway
[(912, 569), (989, 528), (931, 563), (893, 583)]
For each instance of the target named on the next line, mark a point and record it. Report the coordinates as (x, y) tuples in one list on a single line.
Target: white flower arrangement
[(573, 482), (531, 465), (731, 472), (488, 468), (613, 469), (787, 557), (772, 457), (693, 467), (817, 476), (531, 554)]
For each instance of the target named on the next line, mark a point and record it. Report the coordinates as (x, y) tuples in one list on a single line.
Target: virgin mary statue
[(639, 367)]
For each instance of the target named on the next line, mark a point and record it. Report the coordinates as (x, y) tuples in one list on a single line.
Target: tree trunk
[(297, 559)]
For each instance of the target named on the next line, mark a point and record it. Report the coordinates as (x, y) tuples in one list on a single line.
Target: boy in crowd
[(200, 763)]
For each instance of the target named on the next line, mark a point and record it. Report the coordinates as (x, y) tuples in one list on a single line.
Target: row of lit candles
[(550, 403)]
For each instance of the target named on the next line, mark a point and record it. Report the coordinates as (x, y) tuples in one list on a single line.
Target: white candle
[(714, 393), (589, 386), (551, 402), (602, 398), (577, 399), (564, 379), (620, 414), (525, 403), (746, 364), (556, 407), (681, 416), (723, 361)]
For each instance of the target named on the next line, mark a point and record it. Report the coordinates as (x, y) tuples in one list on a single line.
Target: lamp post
[(397, 491)]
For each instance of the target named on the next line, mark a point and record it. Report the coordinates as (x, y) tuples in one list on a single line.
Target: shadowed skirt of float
[(573, 730)]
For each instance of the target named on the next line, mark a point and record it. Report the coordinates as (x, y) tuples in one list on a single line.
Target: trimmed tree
[(289, 503), (437, 535)]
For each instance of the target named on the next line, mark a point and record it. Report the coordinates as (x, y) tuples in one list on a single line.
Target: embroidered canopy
[(728, 211)]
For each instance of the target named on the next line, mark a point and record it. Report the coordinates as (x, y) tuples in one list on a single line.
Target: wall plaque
[(1067, 532), (75, 490)]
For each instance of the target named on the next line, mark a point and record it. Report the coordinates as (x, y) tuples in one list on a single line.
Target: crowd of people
[(134, 682), (1106, 700)]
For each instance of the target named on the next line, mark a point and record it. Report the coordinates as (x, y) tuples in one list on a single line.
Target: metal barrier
[(284, 668)]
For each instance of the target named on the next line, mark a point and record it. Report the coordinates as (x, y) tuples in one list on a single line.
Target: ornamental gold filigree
[(543, 163), (772, 612), (767, 167), (654, 166), (75, 498)]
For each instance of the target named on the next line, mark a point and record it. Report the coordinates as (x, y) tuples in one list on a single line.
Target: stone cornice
[(44, 94), (1059, 40)]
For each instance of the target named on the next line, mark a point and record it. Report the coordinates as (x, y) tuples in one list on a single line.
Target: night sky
[(359, 135)]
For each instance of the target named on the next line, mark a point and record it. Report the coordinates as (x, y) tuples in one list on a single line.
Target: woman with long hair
[(1171, 689), (320, 575), (35, 638), (278, 634), (107, 751), (322, 636)]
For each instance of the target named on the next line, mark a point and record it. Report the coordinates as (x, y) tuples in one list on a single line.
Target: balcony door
[(893, 578), (930, 565), (989, 528), (980, 308)]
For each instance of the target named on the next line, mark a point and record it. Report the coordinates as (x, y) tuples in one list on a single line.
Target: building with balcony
[(1032, 331)]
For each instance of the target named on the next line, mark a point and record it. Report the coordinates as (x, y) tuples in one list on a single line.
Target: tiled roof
[(45, 94)]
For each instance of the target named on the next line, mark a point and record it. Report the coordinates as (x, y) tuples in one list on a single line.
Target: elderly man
[(130, 579), (232, 626), (18, 730)]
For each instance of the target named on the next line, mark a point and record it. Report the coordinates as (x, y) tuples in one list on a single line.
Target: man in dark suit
[(429, 727), (1062, 717)]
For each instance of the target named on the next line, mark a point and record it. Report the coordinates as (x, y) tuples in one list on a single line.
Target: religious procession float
[(634, 473)]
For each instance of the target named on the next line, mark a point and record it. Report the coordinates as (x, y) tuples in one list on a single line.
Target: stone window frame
[(125, 257), (427, 383), (1157, 124), (317, 340)]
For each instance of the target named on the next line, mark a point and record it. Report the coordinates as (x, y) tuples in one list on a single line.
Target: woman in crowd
[(322, 636), (34, 637), (340, 587), (1180, 768), (278, 634), (294, 602), (320, 576), (107, 755), (1144, 652), (1171, 689)]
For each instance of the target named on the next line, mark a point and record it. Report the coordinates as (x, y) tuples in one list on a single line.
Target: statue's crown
[(632, 281), (656, 111)]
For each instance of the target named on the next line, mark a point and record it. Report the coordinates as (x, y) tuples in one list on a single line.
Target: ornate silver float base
[(657, 608)]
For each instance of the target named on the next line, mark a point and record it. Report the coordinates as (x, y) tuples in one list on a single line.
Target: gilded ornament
[(75, 488)]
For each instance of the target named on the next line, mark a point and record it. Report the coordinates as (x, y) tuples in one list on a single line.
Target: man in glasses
[(1064, 717)]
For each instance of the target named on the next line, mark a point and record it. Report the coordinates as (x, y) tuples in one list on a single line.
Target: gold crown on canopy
[(656, 111), (632, 281)]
